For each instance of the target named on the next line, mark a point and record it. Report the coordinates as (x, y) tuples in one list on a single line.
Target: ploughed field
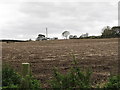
[(101, 55)]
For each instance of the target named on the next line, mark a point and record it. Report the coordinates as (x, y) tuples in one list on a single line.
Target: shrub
[(12, 79), (75, 78), (113, 83), (31, 81)]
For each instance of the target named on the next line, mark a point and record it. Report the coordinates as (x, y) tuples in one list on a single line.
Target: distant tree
[(75, 36), (30, 39), (116, 30), (65, 34), (71, 37), (106, 32), (40, 37)]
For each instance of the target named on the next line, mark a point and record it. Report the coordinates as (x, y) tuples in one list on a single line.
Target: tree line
[(107, 32)]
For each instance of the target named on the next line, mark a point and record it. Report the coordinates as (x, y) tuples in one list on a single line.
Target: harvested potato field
[(101, 55)]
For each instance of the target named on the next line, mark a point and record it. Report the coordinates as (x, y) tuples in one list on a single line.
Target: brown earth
[(99, 54)]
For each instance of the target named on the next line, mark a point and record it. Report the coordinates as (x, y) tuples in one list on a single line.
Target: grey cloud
[(37, 9), (99, 11), (79, 17)]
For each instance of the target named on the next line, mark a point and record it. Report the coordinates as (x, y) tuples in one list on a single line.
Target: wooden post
[(26, 75), (25, 69)]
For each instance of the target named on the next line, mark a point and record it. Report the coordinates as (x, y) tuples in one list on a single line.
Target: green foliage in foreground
[(12, 79), (75, 78), (113, 83)]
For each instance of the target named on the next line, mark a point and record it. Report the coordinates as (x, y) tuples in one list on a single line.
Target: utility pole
[(46, 33)]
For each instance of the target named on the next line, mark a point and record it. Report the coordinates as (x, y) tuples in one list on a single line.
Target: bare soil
[(101, 55)]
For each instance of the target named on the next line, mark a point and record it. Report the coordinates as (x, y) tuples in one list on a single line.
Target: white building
[(84, 35)]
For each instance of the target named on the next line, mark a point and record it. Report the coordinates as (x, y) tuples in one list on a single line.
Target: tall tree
[(66, 34), (113, 32), (107, 32)]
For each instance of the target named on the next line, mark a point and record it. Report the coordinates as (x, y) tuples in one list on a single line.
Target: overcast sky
[(25, 19)]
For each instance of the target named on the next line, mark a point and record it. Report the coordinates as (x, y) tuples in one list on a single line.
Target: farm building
[(40, 37), (54, 38), (84, 35)]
